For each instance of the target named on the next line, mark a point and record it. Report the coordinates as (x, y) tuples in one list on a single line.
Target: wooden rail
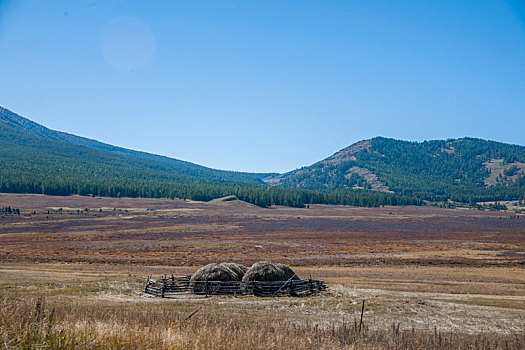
[(172, 286)]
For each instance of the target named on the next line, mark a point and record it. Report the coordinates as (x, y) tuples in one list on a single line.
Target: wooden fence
[(172, 286)]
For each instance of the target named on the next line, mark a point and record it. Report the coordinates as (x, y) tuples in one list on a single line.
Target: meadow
[(72, 271)]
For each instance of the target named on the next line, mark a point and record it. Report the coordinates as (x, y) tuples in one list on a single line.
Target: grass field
[(430, 277)]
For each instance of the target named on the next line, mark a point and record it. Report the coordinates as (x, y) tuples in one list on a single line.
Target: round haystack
[(266, 271), (220, 272), (288, 272), (212, 272), (237, 270), (224, 272)]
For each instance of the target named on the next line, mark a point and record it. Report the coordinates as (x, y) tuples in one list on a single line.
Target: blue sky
[(265, 85)]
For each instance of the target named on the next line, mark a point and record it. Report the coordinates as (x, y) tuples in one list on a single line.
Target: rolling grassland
[(72, 271)]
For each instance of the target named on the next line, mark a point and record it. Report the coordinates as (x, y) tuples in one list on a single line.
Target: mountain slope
[(35, 159), (12, 120), (465, 170)]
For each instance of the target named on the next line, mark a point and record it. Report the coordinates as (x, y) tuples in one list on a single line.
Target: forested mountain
[(465, 170), (35, 159), (13, 121)]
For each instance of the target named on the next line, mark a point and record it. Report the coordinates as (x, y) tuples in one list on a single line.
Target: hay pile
[(266, 271), (203, 280), (224, 272), (237, 270)]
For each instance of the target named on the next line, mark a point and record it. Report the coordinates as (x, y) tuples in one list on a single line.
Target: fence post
[(361, 321), (206, 288)]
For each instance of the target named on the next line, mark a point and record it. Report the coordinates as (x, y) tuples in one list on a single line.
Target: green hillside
[(35, 159), (465, 170), (16, 128)]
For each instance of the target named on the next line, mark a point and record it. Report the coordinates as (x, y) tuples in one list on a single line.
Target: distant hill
[(465, 170), (36, 159), (230, 201)]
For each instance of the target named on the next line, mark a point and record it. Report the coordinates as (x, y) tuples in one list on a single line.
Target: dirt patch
[(449, 150), (370, 178), (501, 172)]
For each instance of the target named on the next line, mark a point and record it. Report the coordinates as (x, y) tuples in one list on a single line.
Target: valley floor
[(430, 278)]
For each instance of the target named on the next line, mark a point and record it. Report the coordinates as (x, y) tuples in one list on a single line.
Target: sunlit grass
[(36, 322)]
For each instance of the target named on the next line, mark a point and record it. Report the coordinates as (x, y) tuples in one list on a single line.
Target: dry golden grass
[(42, 323), (432, 278), (87, 306)]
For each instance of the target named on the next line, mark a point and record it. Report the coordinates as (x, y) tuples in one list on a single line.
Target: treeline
[(9, 210), (259, 195)]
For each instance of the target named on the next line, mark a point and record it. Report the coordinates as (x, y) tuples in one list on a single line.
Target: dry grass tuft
[(35, 322)]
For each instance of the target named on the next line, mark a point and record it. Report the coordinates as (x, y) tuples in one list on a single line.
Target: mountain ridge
[(454, 166), (61, 136), (37, 159)]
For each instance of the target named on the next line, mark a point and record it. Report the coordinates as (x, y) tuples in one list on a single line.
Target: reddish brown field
[(175, 232), (428, 270)]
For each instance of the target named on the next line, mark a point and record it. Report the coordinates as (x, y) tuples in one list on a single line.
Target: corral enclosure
[(173, 287), (459, 273), (262, 279)]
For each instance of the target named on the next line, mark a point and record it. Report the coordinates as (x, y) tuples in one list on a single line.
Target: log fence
[(169, 287)]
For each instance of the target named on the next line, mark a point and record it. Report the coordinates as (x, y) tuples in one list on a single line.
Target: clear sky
[(265, 85)]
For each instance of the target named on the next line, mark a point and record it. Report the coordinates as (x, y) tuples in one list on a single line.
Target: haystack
[(237, 270), (266, 271), (224, 272), (220, 272)]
